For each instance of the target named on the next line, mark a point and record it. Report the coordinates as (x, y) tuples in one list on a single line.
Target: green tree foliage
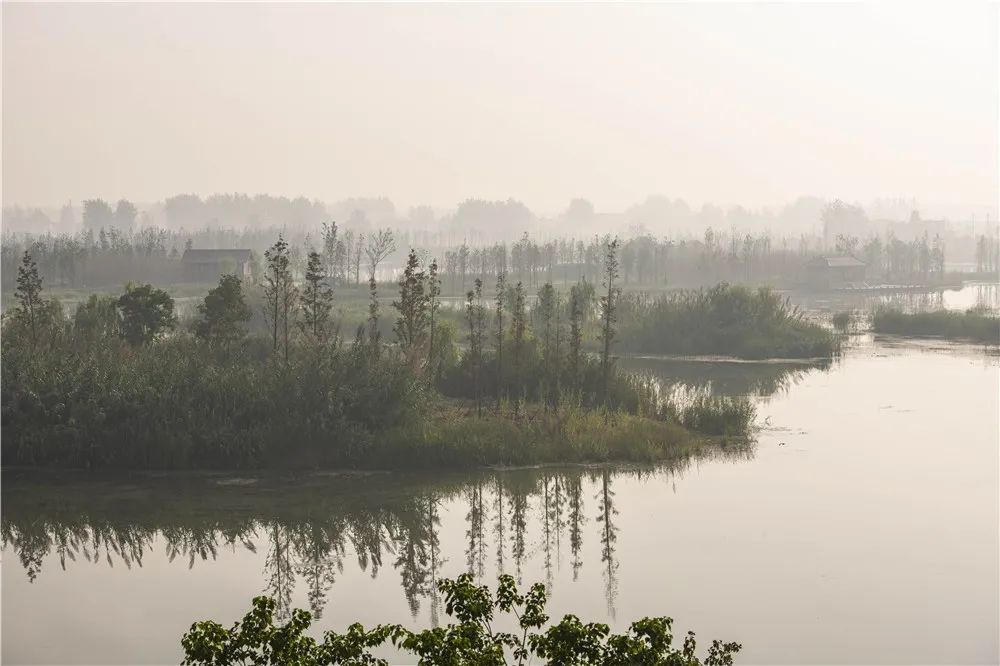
[(380, 245), (279, 294), (576, 305), (224, 313), (97, 214), (330, 258), (316, 299), (501, 296), (146, 313), (89, 401), (463, 262), (412, 323), (257, 641), (434, 348), (125, 214), (547, 308), (518, 332), (97, 319), (29, 295), (374, 336), (608, 313), (475, 314)]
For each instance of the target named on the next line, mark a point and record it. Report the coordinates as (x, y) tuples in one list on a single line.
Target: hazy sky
[(751, 104)]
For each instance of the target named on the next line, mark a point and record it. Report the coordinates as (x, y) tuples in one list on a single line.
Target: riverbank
[(449, 435), (454, 437)]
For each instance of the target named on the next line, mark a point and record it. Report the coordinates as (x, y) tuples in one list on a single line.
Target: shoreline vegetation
[(123, 385), (974, 325)]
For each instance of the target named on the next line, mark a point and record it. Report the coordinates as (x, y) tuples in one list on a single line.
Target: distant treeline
[(483, 220), (112, 256)]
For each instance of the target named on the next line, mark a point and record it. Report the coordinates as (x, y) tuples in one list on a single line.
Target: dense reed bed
[(725, 320), (974, 325)]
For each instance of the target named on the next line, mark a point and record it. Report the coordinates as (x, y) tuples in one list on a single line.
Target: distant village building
[(835, 272), (208, 265)]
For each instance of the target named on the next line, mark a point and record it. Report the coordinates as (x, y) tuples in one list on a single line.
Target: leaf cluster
[(257, 641)]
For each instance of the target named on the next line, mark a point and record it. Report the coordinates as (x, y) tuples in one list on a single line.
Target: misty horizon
[(433, 105), (500, 332)]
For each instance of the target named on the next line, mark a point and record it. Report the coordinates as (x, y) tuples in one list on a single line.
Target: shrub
[(472, 640)]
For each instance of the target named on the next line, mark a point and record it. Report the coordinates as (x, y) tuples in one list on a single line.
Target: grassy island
[(974, 325), (725, 320), (122, 384)]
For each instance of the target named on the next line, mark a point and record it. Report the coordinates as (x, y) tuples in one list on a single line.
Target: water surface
[(862, 528)]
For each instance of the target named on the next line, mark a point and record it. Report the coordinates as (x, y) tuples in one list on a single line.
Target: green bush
[(256, 640)]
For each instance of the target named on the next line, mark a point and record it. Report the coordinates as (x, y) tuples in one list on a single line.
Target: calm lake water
[(862, 528)]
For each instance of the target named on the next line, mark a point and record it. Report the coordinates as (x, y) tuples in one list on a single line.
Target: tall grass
[(719, 415), (843, 320), (178, 403), (724, 320), (452, 437), (976, 325)]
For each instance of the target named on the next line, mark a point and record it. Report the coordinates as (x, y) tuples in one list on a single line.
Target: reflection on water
[(322, 525), (868, 510), (973, 295), (683, 378)]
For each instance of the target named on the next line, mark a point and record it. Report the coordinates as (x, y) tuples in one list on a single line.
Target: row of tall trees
[(120, 383), (920, 259), (109, 255), (139, 315), (987, 254), (538, 359)]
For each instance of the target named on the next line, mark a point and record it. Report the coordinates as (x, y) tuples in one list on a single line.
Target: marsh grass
[(454, 437), (725, 320), (719, 415), (843, 320), (976, 324), (179, 404)]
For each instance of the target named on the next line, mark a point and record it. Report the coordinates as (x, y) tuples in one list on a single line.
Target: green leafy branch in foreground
[(257, 641)]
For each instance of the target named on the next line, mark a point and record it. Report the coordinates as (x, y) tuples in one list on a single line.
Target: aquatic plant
[(978, 325), (719, 415), (725, 320), (842, 320)]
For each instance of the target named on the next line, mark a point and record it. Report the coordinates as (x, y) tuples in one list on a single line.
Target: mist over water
[(678, 309), (860, 507)]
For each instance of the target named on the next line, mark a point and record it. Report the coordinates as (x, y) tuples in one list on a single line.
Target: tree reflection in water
[(683, 378), (309, 528)]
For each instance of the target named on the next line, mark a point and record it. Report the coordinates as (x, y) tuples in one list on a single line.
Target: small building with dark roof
[(208, 265), (834, 272)]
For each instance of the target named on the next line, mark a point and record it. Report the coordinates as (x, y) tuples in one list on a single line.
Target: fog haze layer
[(748, 104)]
